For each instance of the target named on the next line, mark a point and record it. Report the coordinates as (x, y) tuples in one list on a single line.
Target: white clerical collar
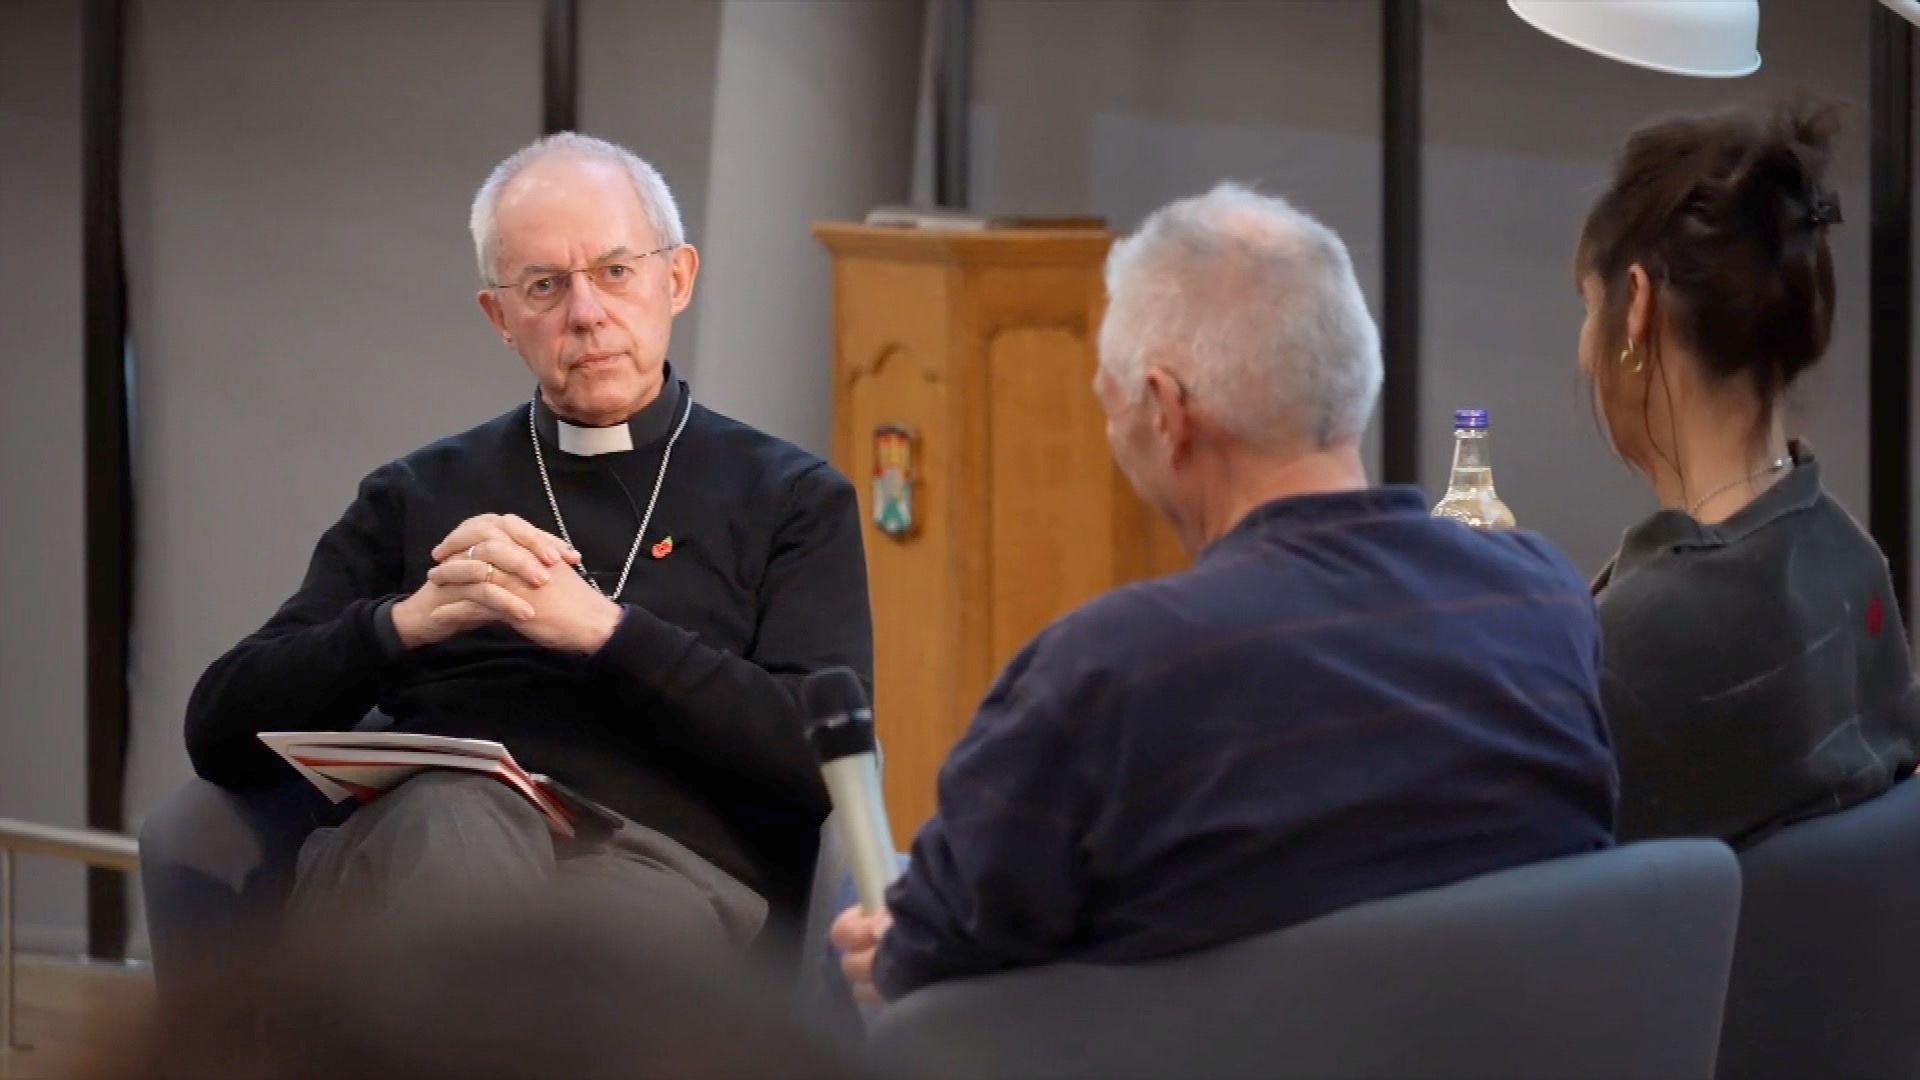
[(594, 441), (643, 428)]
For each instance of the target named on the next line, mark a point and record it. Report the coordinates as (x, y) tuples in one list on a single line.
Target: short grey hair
[(1263, 298), (656, 199)]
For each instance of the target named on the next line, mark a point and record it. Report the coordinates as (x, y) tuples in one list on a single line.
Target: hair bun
[(1790, 162), (1729, 214)]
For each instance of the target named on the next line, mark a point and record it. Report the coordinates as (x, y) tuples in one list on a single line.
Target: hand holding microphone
[(840, 726)]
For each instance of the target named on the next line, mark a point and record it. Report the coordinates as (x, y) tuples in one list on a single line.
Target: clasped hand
[(497, 568)]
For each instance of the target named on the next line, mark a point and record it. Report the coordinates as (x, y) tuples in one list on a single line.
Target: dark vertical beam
[(952, 89), (1890, 298), (1400, 238), (109, 472), (560, 67)]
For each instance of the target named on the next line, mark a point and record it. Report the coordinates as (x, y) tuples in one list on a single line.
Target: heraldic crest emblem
[(893, 480)]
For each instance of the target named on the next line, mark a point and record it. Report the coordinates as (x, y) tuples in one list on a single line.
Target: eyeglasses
[(543, 292)]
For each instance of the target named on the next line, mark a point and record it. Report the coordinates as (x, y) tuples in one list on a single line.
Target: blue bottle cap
[(1471, 419)]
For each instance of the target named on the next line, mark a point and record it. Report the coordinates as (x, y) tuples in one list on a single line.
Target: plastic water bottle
[(1470, 499)]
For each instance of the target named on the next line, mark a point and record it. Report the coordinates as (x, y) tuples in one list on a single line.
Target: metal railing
[(93, 847)]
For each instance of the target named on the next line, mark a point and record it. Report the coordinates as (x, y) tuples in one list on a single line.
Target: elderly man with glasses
[(618, 583)]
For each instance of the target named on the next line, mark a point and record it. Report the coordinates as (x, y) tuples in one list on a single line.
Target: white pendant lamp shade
[(1906, 9), (1715, 39)]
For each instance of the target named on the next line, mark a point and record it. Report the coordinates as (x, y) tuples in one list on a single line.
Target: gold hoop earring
[(1627, 354)]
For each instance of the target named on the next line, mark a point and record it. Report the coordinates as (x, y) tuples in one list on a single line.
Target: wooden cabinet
[(976, 351)]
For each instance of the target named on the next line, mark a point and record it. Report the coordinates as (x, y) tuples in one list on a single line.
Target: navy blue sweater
[(1344, 699)]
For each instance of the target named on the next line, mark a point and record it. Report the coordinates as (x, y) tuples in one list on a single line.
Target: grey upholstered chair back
[(1826, 973), (216, 866), (1612, 964)]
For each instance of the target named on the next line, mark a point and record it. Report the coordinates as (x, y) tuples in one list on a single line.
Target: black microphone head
[(839, 718)]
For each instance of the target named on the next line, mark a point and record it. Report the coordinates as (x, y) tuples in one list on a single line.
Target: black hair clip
[(1825, 212)]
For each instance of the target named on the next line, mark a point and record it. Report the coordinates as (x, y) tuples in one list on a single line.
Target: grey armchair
[(216, 867), (1612, 964), (1826, 972)]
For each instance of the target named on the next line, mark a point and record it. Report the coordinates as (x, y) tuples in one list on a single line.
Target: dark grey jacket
[(1755, 672)]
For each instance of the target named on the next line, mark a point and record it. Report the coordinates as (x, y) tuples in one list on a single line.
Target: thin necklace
[(645, 519), (1775, 466)]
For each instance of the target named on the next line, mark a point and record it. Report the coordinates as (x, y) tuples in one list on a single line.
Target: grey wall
[(812, 118), (1520, 130), (43, 631), (1116, 106)]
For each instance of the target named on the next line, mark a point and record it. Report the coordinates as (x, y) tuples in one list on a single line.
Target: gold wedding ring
[(490, 567)]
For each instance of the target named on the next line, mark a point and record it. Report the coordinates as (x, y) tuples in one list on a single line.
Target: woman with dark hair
[(1756, 671)]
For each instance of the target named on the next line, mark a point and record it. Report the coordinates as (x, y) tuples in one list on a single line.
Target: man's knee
[(439, 828), (440, 796), (642, 903)]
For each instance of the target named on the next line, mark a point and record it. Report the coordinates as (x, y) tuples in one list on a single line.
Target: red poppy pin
[(1876, 616), (664, 548)]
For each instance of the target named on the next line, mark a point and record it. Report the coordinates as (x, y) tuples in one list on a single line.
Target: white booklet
[(364, 765)]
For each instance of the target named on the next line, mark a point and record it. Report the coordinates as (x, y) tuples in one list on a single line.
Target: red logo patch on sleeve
[(1876, 616)]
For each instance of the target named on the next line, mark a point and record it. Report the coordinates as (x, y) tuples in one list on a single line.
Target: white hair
[(655, 197), (1263, 299)]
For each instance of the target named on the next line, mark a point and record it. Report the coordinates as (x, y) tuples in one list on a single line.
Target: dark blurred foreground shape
[(529, 989)]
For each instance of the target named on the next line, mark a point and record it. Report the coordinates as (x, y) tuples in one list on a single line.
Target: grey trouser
[(444, 842)]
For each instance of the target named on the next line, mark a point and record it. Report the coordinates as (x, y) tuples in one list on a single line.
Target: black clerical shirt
[(686, 721)]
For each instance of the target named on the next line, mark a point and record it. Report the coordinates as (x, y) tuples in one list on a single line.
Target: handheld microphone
[(840, 727)]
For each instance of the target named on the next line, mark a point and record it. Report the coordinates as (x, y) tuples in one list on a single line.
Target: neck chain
[(1772, 467), (645, 519)]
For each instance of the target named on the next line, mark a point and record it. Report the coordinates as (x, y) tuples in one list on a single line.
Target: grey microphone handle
[(853, 782)]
